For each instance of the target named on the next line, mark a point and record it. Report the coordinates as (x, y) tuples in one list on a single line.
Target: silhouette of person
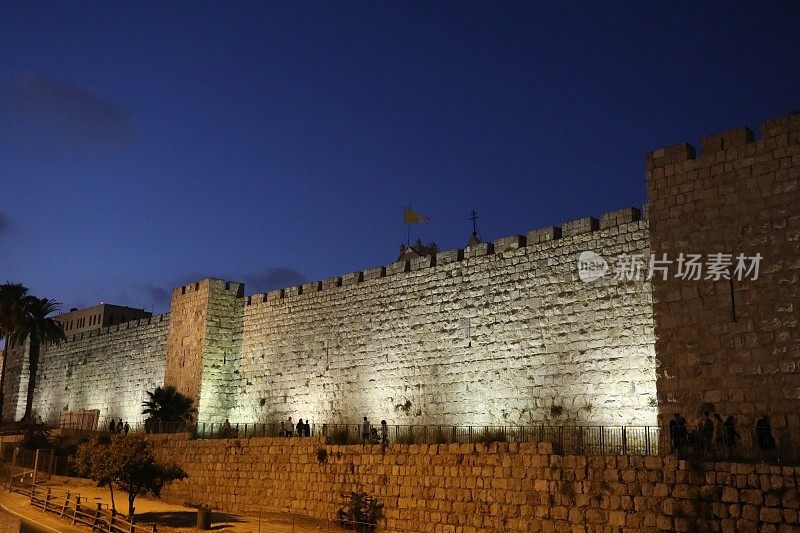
[(112, 427), (365, 430), (731, 435), (764, 438), (675, 433), (384, 433), (126, 428)]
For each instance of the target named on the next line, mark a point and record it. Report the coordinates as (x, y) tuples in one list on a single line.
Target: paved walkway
[(168, 517)]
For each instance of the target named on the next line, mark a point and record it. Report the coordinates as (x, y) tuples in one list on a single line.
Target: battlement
[(504, 245), (728, 145), (131, 324), (211, 284)]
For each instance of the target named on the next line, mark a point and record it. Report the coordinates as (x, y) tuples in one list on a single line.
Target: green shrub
[(492, 435), (360, 512), (339, 436)]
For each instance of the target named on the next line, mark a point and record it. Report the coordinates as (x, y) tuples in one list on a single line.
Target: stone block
[(512, 242), (579, 226), (549, 233)]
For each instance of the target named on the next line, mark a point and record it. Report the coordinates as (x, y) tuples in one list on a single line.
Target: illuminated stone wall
[(502, 333), (203, 344), (110, 370), (505, 333), (15, 387), (730, 347), (474, 488)]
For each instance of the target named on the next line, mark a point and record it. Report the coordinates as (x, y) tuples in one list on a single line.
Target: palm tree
[(13, 299), (38, 329), (168, 407)]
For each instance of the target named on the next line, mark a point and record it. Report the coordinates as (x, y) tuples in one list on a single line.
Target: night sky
[(145, 145)]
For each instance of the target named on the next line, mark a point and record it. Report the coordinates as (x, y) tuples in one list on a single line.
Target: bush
[(406, 438), (492, 435), (361, 512), (339, 436)]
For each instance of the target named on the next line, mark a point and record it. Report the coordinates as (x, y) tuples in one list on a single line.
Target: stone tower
[(202, 344), (729, 345)]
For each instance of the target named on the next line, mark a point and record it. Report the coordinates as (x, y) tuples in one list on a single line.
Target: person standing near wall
[(365, 430)]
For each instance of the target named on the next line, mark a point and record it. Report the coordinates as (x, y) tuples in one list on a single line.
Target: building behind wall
[(504, 332), (99, 316)]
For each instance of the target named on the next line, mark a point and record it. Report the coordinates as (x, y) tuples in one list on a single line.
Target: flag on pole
[(413, 217)]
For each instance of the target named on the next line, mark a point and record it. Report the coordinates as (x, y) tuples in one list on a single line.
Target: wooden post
[(47, 498), (77, 508), (13, 464), (97, 512), (64, 507), (35, 467)]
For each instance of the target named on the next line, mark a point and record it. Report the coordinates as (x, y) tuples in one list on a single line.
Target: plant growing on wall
[(167, 410), (360, 512), (127, 462)]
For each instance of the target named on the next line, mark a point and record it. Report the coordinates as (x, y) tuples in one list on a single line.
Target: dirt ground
[(168, 517)]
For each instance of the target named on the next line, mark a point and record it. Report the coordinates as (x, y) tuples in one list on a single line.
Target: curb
[(28, 519)]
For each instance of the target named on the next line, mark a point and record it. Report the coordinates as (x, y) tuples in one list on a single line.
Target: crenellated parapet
[(512, 243), (729, 344), (155, 319)]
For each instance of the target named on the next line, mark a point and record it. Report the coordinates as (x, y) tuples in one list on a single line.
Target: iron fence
[(575, 440)]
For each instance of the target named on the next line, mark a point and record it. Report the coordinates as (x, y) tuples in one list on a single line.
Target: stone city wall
[(502, 487), (502, 333), (730, 346), (110, 370), (15, 387)]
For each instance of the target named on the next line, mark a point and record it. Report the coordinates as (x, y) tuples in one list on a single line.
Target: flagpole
[(408, 235)]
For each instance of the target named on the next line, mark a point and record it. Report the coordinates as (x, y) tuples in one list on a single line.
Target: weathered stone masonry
[(471, 488), (498, 336), (733, 347), (110, 370), (500, 333)]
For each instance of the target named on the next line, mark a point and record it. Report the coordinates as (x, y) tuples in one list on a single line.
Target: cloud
[(68, 110), (272, 278), (158, 295)]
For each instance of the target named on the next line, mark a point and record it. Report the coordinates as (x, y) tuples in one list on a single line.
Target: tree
[(13, 299), (166, 407), (94, 460), (38, 329), (125, 461)]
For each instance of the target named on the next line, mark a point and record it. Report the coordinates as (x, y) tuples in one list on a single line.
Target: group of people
[(714, 434), (290, 429), (369, 434), (118, 427)]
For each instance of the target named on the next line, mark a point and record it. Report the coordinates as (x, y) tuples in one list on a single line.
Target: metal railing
[(574, 440)]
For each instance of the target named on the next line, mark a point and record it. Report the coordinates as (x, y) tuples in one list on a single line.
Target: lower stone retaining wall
[(499, 487)]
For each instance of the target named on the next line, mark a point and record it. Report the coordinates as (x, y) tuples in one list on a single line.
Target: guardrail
[(68, 507), (782, 447)]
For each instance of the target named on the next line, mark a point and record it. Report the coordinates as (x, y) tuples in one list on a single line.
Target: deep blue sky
[(148, 144)]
